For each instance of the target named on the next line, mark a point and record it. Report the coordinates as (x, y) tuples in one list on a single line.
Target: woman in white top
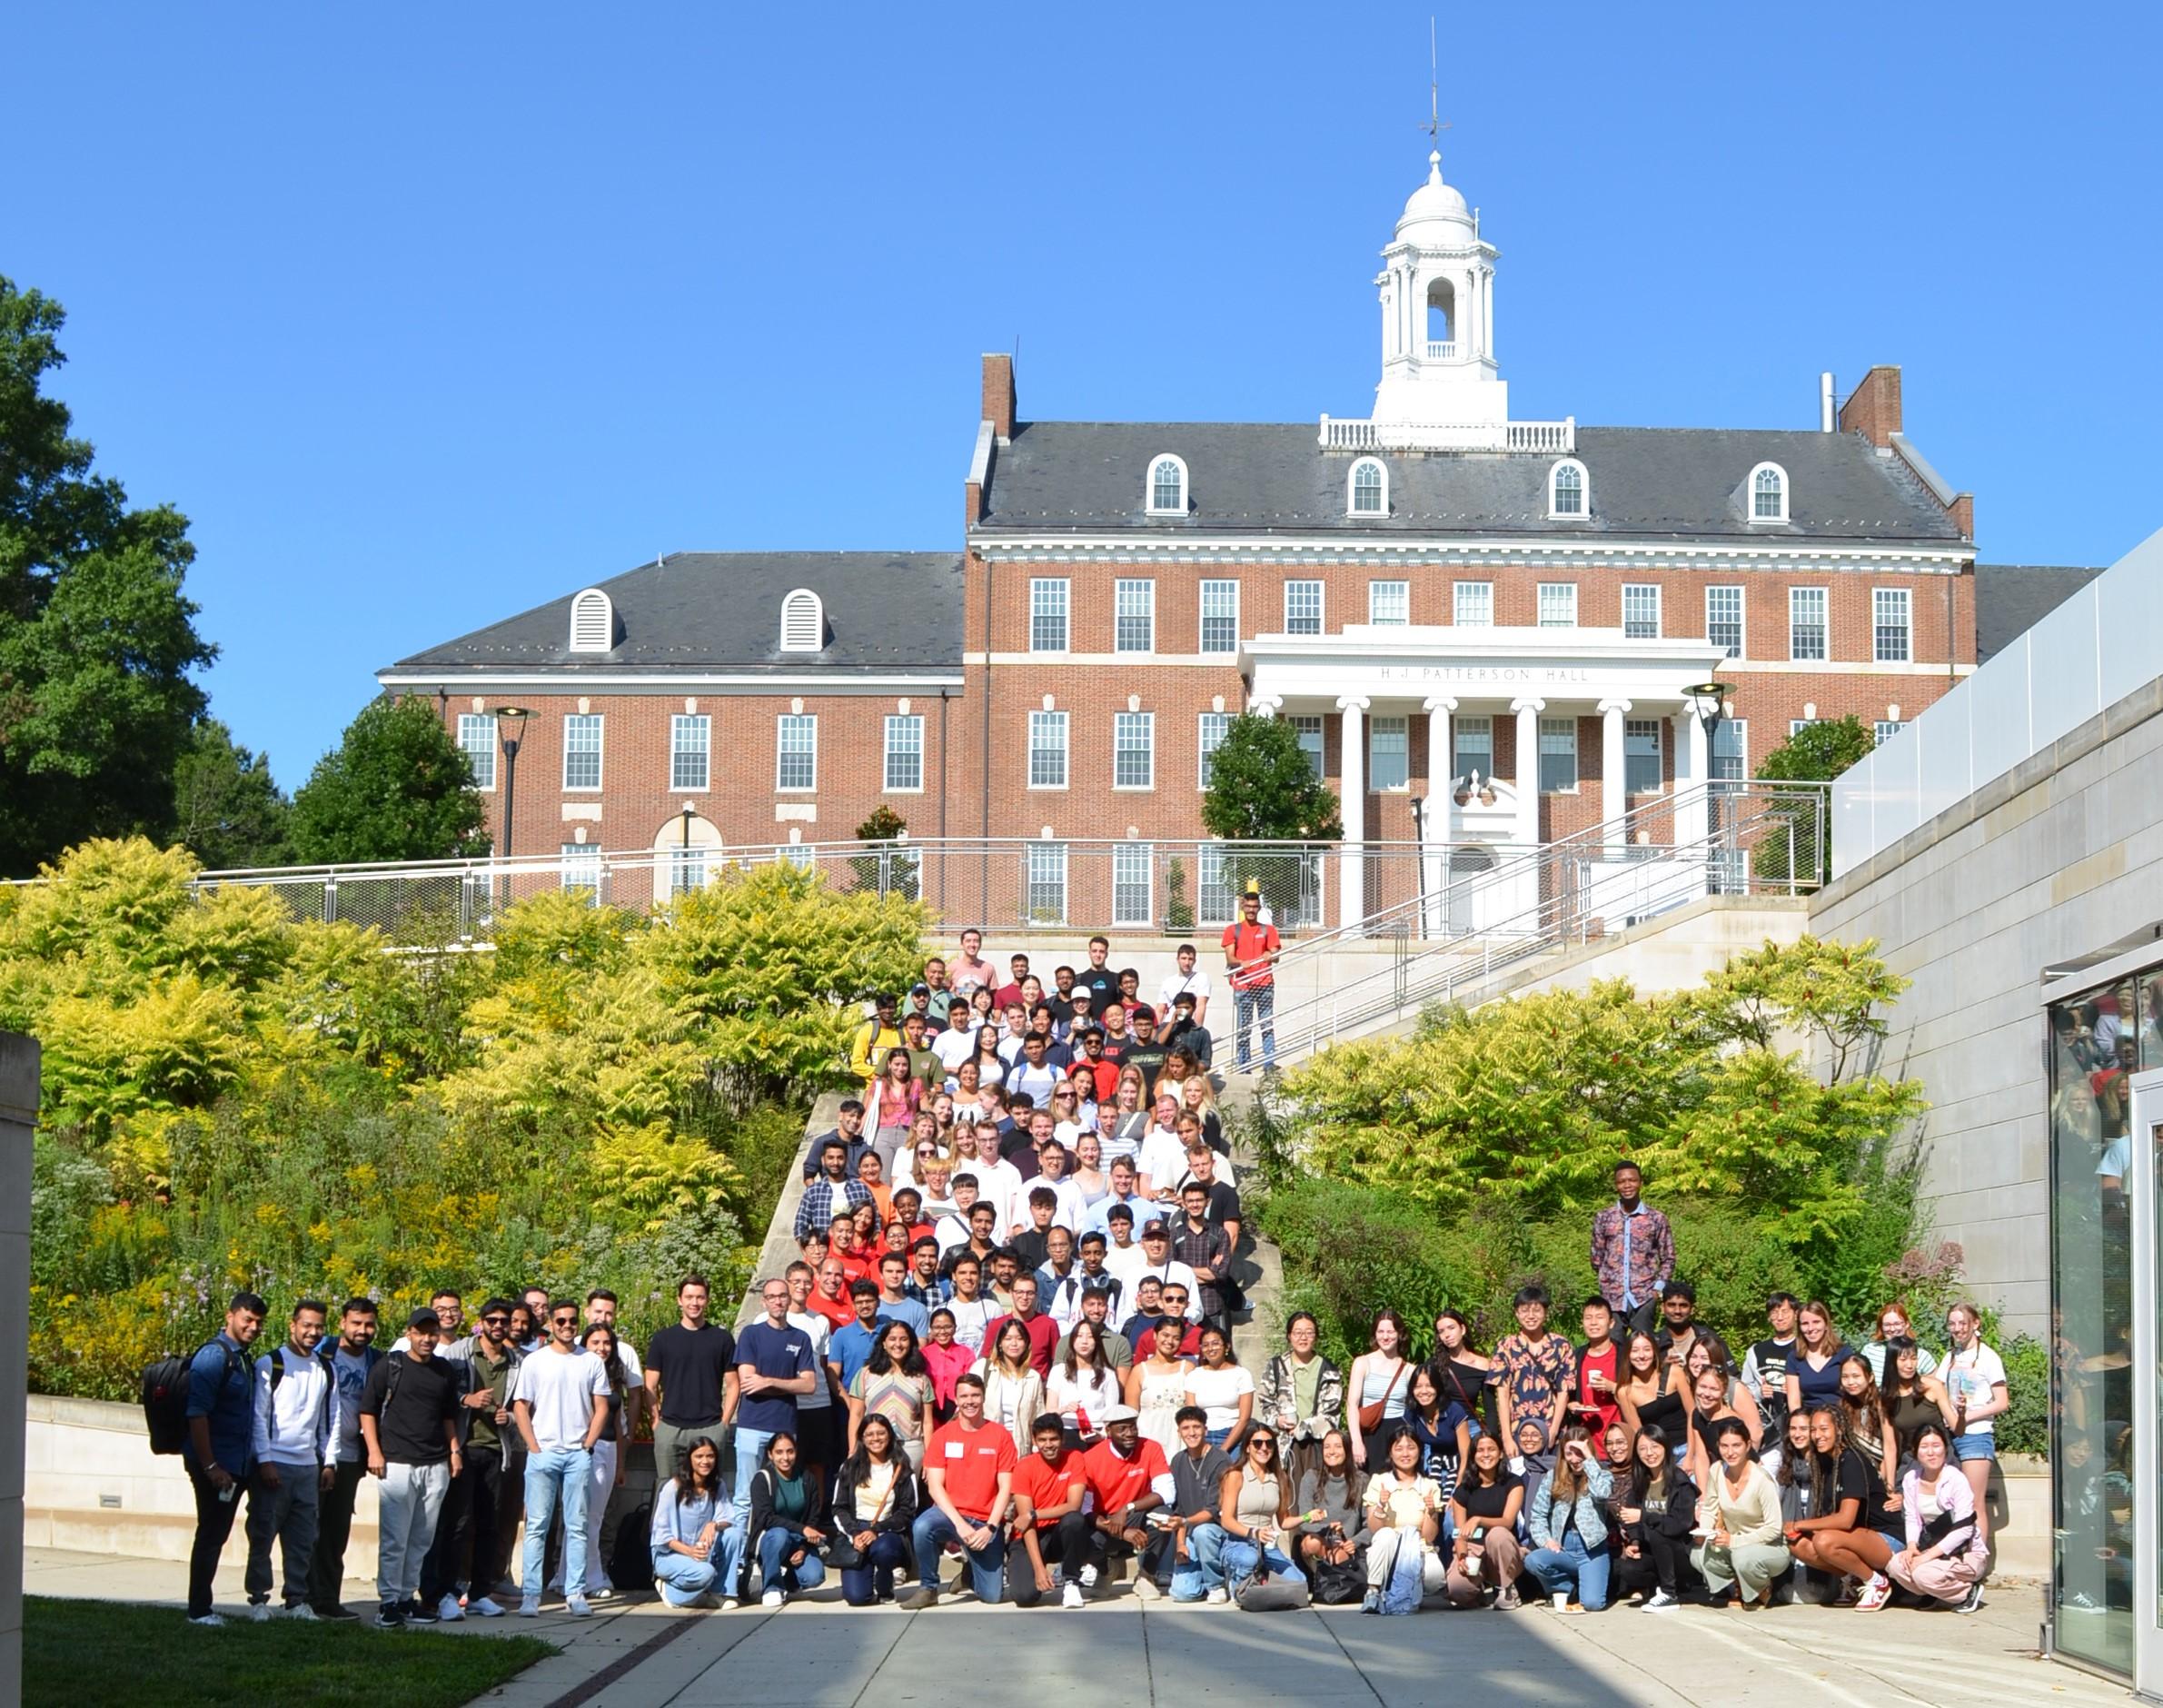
[(1013, 1391), (1404, 1511), (1083, 1385), (1163, 1157), (1157, 1384), (991, 1068), (1378, 1377), (1088, 1176), (1221, 1386), (1974, 1377), (1128, 1122), (1946, 1554)]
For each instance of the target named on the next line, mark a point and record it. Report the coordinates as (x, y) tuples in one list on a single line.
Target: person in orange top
[(844, 1248), (830, 1296), (1127, 1476), (1050, 1527), (1251, 949), (968, 1468), (872, 1171)]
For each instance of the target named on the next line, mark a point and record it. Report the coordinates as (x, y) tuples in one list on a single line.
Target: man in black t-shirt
[(1146, 1052), (691, 1377), (409, 1430), (1098, 979)]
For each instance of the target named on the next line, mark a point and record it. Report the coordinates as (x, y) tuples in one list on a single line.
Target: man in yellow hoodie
[(877, 1035)]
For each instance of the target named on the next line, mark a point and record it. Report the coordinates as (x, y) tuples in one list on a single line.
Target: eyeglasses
[(564, 1321), (495, 1322)]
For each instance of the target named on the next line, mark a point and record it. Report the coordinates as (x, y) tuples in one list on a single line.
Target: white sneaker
[(214, 1621), (772, 1598), (1088, 1577), (1145, 1588), (577, 1607), (1660, 1601), (448, 1610), (301, 1611), (603, 1592), (1071, 1596), (529, 1607), (486, 1608), (260, 1612), (729, 1604), (1217, 1596)]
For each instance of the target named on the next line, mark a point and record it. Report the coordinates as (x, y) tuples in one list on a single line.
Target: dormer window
[(1369, 489), (593, 622), (1567, 490), (1167, 487), (803, 622), (1768, 493)]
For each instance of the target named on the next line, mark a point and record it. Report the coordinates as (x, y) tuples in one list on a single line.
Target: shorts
[(1977, 1443), (1897, 1539)]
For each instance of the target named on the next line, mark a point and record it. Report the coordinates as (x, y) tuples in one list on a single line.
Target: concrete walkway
[(1115, 1653)]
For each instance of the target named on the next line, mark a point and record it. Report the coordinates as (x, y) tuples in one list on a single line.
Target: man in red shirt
[(1049, 1524), (1251, 949), (830, 1297), (968, 1467), (1044, 1331), (1127, 1477), (1592, 1397)]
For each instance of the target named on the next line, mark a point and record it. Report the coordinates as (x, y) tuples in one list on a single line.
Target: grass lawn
[(89, 1654)]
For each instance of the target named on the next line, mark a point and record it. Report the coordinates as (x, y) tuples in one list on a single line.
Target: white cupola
[(1438, 289)]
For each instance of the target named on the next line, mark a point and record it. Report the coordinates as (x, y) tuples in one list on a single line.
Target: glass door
[(2137, 1481)]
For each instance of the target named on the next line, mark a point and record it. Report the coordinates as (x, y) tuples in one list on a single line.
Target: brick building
[(1497, 618)]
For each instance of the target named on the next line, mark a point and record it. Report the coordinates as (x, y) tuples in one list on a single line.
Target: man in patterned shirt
[(833, 1194), (1533, 1370), (1633, 1251)]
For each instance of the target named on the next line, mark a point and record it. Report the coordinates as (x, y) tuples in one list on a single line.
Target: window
[(1724, 619), (797, 855), (1303, 607), (1389, 753), (1476, 604), (905, 752), (797, 750), (1048, 616), (1731, 751), (1310, 739), (1768, 493), (1214, 899), (1047, 749), (689, 744), (1473, 739), (1136, 621), (1641, 756), (1558, 755), (1220, 616), (1389, 602), (687, 870), (1885, 729), (592, 621), (803, 622), (1558, 604), (1130, 884), (1641, 611), (581, 750), (1134, 750), (1796, 726), (1370, 489), (1806, 622), (1888, 625), (1565, 492), (1167, 487), (1046, 901), (477, 739), (1215, 726), (582, 868)]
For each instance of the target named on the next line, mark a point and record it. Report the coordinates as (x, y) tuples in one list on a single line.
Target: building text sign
[(1473, 675)]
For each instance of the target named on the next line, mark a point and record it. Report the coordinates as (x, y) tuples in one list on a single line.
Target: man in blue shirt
[(775, 1367), (221, 1446), (850, 1347)]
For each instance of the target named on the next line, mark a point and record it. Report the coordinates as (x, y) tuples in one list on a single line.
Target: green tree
[(96, 638), (397, 788), (228, 810), (1816, 753), (1261, 789)]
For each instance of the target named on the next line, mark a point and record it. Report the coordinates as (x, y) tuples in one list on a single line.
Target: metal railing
[(1460, 940)]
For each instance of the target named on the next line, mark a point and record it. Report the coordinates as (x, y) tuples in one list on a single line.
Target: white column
[(1487, 317), (1528, 768), (1615, 797), (1352, 866), (1692, 771), (1439, 823)]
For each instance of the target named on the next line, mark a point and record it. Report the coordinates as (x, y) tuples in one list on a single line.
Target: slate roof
[(1646, 482), (2012, 597), (722, 610)]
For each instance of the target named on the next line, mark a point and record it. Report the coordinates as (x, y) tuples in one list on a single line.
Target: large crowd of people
[(1004, 1364)]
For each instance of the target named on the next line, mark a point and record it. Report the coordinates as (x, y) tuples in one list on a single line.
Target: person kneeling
[(1404, 1518), (691, 1521), (1945, 1555), (1050, 1528), (787, 1526), (968, 1468), (875, 1503), (1256, 1503)]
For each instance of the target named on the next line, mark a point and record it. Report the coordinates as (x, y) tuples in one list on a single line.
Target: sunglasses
[(564, 1321), (495, 1321)]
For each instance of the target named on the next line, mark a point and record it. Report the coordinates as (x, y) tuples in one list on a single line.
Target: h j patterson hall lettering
[(1541, 675)]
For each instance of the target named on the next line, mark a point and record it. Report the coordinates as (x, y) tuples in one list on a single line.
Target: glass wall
[(2097, 1042)]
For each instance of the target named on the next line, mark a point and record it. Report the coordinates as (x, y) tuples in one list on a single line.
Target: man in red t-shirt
[(830, 1297), (1044, 1331), (1251, 949), (968, 1467), (1599, 1361), (1127, 1476), (1049, 1524)]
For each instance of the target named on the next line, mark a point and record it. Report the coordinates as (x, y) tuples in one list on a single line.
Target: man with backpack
[(408, 1420), (296, 1400), (352, 1359), (220, 1444)]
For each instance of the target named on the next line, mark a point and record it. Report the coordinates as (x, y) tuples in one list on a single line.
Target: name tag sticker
[(954, 1450)]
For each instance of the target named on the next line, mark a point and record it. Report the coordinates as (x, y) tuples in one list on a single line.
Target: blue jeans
[(1247, 1008), (1572, 1565), (1242, 1559), (986, 1566), (1202, 1569), (775, 1545), (683, 1579), (864, 1584), (564, 1475), (750, 1452)]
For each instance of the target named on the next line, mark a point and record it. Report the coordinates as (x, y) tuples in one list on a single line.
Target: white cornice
[(464, 678), (1941, 557)]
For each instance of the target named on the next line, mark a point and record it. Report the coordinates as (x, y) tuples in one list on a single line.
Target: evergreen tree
[(228, 811)]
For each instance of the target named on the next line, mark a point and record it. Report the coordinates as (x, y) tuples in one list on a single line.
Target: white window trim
[(1202, 616), (1825, 628), (1750, 494), (601, 754), (1540, 756), (1539, 591), (1321, 602), (1028, 752), (1202, 748), (1376, 623), (1066, 585), (1374, 727), (1462, 726), (1149, 749), (584, 608), (676, 788), (885, 751), (1457, 604), (1351, 481), (1149, 504), (796, 789), (494, 736), (1118, 582), (1742, 617), (1906, 600), (1658, 610), (1658, 727), (1584, 492), (793, 604)]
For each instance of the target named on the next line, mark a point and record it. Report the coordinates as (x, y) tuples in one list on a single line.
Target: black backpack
[(630, 1566), (166, 1397)]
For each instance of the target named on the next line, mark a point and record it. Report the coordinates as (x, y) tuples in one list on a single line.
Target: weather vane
[(1435, 126)]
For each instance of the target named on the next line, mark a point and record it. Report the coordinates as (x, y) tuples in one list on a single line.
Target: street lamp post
[(510, 725), (683, 862), (1709, 701), (1419, 843)]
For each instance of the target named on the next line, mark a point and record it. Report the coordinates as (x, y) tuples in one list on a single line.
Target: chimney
[(1873, 408), (1826, 414), (998, 394)]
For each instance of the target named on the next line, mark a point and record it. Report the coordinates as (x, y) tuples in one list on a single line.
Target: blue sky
[(426, 316)]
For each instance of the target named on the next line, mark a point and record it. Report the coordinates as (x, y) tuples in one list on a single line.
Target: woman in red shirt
[(945, 1358)]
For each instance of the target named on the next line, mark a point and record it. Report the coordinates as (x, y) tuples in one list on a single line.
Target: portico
[(1479, 694)]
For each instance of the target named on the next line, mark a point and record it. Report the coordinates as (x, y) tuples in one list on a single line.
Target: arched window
[(1768, 493), (593, 622), (1370, 488), (1167, 486), (803, 622), (1567, 490)]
